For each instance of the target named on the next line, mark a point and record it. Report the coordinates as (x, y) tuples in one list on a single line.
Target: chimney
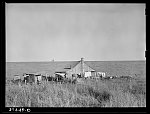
[(82, 69), (82, 60)]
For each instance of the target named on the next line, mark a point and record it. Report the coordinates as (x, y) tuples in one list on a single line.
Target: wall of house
[(78, 69)]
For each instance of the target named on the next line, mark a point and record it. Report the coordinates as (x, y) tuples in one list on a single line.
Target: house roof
[(60, 67)]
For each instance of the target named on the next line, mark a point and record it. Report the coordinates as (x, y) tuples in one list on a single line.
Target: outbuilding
[(81, 69)]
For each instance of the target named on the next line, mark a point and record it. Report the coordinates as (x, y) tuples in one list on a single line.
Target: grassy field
[(88, 93)]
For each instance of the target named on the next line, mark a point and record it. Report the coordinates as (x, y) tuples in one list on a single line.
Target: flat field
[(88, 93), (119, 68)]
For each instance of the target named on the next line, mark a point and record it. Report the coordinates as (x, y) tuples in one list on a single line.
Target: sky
[(68, 32)]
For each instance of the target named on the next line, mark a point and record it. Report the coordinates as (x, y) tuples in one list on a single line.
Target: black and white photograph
[(75, 55)]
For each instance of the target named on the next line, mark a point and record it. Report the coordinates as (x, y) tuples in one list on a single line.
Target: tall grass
[(91, 93)]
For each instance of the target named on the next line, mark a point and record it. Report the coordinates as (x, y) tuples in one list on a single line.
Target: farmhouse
[(81, 68), (69, 69)]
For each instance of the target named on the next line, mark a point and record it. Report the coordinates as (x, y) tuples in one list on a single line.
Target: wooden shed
[(80, 68)]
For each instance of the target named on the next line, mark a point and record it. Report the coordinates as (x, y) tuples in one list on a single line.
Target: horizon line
[(76, 60)]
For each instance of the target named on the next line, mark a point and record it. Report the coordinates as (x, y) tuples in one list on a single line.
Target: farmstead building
[(80, 68)]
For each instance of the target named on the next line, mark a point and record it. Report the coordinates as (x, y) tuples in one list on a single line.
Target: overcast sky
[(102, 32)]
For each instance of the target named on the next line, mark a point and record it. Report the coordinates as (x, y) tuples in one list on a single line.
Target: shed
[(80, 68)]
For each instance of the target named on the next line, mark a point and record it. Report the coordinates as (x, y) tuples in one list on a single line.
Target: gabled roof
[(85, 66)]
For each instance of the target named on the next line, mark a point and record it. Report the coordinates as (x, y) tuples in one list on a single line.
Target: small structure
[(38, 78), (34, 78), (87, 74), (63, 74), (16, 79), (81, 68), (29, 78), (101, 74)]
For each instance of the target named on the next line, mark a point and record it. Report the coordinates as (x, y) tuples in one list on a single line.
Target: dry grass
[(87, 93), (91, 93)]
